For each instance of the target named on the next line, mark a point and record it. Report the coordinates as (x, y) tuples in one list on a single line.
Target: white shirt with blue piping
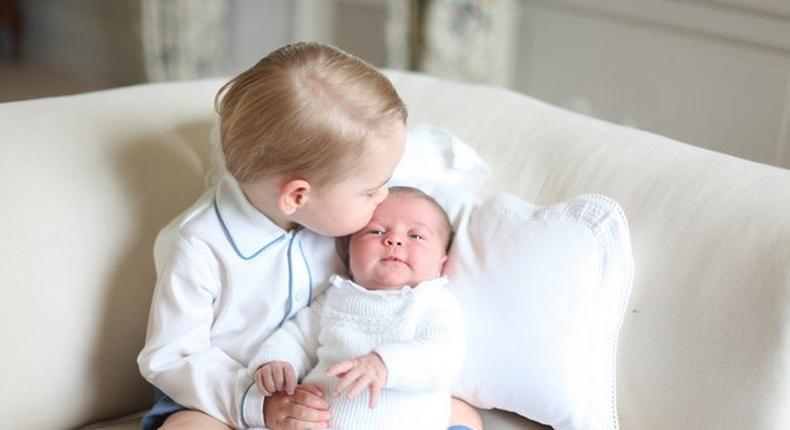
[(227, 278)]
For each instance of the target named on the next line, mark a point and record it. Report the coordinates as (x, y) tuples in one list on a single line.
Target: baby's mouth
[(393, 260)]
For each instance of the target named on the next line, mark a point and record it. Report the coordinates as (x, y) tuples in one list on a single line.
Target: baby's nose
[(394, 242)]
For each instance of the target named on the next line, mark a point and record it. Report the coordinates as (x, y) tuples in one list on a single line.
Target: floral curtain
[(184, 39), (457, 39)]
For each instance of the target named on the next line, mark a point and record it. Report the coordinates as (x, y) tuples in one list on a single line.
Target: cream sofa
[(87, 181)]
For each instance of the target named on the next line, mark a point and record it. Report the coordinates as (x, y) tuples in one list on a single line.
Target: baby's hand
[(275, 376), (367, 371)]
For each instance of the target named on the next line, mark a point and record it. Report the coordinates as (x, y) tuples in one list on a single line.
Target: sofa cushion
[(87, 181)]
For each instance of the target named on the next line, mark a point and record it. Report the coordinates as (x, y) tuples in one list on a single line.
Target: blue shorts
[(163, 407)]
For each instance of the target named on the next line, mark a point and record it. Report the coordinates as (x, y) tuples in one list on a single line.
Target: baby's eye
[(416, 236), (376, 232)]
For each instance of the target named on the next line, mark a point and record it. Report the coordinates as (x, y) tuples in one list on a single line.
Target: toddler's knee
[(464, 415), (189, 420)]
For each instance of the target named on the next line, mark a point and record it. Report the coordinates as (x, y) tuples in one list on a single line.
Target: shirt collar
[(247, 229)]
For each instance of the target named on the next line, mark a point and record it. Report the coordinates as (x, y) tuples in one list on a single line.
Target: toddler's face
[(403, 244), (343, 208)]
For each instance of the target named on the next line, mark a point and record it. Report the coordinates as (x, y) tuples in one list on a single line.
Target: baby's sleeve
[(295, 342)]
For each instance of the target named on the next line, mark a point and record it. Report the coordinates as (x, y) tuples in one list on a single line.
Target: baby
[(391, 333)]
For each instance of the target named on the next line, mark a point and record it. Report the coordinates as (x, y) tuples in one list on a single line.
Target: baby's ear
[(443, 265), (294, 193)]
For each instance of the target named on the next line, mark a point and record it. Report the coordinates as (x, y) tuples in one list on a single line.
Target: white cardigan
[(416, 331)]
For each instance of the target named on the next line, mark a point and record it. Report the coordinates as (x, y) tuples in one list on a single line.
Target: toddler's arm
[(179, 357), (288, 354)]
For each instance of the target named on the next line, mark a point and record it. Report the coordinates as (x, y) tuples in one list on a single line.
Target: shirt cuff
[(252, 407)]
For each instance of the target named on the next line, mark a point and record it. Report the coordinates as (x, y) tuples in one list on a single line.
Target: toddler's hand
[(305, 409), (275, 376), (367, 371)]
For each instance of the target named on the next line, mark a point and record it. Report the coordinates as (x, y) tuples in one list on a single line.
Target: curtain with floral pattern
[(184, 39), (456, 39)]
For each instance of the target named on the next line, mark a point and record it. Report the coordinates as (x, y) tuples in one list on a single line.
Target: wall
[(712, 73), (97, 40), (257, 27)]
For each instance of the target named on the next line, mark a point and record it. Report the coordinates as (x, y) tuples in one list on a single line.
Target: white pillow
[(444, 167), (435, 156), (543, 290)]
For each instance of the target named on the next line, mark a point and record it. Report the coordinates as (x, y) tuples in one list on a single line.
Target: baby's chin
[(379, 282)]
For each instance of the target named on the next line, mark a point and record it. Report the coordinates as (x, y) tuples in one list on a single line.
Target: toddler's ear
[(294, 193)]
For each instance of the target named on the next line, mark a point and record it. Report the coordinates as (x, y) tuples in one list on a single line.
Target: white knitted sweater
[(416, 331)]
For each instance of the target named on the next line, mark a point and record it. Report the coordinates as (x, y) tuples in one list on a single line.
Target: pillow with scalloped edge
[(435, 156), (543, 289), (543, 292)]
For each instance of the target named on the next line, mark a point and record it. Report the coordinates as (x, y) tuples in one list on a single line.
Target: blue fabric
[(163, 407), (458, 428)]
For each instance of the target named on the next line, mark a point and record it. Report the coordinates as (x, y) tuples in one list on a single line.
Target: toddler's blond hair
[(306, 110)]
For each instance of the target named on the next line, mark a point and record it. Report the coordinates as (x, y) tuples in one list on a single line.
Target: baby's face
[(403, 244)]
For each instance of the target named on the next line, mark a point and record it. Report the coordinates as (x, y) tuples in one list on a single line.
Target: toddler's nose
[(382, 194)]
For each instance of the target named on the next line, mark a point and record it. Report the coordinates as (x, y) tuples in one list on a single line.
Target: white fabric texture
[(417, 332), (433, 155), (226, 278), (444, 167), (543, 291)]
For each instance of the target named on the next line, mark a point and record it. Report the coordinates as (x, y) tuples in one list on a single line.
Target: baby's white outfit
[(227, 277), (417, 332)]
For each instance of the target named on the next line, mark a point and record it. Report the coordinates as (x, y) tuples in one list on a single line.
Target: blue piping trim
[(290, 280), (309, 275), (233, 243), (241, 407)]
